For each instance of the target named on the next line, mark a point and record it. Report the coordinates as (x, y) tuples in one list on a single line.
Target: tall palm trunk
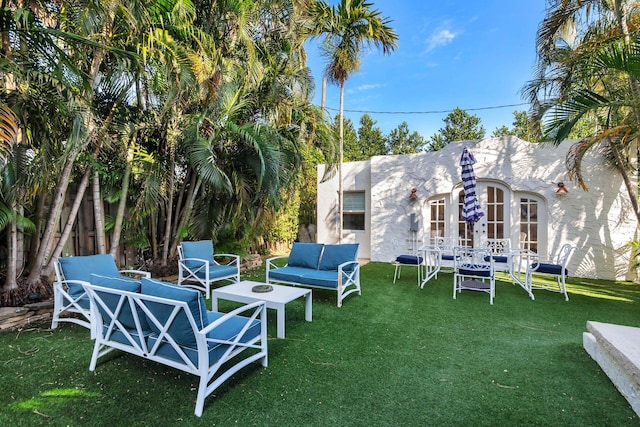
[(621, 13), (168, 220), (68, 227), (194, 187), (98, 213), (340, 188), (54, 216), (122, 205), (12, 257)]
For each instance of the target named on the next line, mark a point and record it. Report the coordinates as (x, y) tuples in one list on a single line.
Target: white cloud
[(439, 38), (364, 87)]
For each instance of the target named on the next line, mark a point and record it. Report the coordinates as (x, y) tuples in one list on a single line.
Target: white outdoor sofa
[(170, 325), (315, 265)]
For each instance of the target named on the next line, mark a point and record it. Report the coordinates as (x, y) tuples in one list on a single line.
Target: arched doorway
[(507, 214)]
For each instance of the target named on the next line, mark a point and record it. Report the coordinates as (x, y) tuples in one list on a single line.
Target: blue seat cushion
[(497, 258), (202, 249), (545, 268), (445, 257), (321, 278), (125, 284), (474, 270), (409, 259), (227, 331), (81, 268), (334, 255), (217, 271), (288, 274), (181, 329), (306, 255)]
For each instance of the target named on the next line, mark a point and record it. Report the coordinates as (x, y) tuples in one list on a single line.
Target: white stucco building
[(517, 187)]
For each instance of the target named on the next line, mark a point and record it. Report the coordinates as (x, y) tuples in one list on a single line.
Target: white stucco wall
[(599, 222), (356, 177)]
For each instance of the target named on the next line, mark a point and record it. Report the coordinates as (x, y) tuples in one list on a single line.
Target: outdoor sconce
[(561, 188), (414, 194)]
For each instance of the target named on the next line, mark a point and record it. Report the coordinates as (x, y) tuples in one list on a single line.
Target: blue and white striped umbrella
[(471, 211)]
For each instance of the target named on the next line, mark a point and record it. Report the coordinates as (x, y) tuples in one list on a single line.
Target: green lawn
[(395, 356)]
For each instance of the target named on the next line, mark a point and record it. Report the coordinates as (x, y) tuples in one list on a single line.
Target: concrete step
[(616, 348)]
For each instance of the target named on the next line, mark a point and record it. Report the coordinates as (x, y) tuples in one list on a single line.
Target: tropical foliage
[(182, 119), (459, 126), (588, 68)]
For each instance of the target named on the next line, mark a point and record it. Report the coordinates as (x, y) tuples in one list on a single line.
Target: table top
[(279, 294)]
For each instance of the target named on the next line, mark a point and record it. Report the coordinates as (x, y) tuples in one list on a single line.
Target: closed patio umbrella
[(471, 211)]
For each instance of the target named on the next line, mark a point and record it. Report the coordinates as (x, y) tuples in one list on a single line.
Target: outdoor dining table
[(517, 261)]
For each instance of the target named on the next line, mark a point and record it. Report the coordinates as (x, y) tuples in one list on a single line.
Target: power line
[(429, 112)]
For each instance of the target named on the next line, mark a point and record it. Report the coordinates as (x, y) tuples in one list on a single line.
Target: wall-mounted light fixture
[(414, 194), (561, 188)]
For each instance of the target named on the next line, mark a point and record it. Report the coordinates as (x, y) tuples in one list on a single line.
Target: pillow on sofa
[(334, 255), (180, 330), (125, 284), (306, 255)]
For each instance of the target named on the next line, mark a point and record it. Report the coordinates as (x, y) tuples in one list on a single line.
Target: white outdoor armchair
[(71, 302), (199, 267), (555, 268)]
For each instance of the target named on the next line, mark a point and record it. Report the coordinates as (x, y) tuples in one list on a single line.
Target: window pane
[(353, 201), (353, 221)]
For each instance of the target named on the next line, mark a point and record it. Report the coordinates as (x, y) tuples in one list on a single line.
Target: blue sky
[(452, 53)]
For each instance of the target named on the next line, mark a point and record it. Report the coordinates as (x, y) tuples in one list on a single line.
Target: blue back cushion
[(306, 255), (125, 284), (180, 330), (334, 255), (81, 268), (202, 249)]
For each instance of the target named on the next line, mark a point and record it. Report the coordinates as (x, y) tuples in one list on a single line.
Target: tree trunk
[(55, 211), (68, 227), (20, 245), (340, 189), (12, 257), (631, 189), (621, 15), (154, 235), (167, 228), (194, 187), (122, 205), (98, 213)]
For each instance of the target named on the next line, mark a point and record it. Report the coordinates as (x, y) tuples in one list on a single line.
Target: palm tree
[(571, 31), (587, 67), (610, 99), (346, 29)]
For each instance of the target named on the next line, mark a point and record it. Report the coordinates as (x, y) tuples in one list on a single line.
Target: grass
[(395, 356)]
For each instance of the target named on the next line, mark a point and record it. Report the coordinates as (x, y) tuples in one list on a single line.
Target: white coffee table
[(276, 299)]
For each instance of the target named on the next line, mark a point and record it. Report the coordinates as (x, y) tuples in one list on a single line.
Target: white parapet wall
[(616, 349)]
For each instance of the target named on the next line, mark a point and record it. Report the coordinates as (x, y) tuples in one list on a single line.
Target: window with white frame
[(354, 210), (437, 220), (529, 223)]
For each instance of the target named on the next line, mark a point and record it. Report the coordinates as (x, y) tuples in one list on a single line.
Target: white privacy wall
[(599, 222)]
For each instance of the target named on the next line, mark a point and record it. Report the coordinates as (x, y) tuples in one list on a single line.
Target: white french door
[(495, 201)]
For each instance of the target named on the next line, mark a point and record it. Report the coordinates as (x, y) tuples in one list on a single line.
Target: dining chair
[(556, 268), (405, 259), (473, 270)]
